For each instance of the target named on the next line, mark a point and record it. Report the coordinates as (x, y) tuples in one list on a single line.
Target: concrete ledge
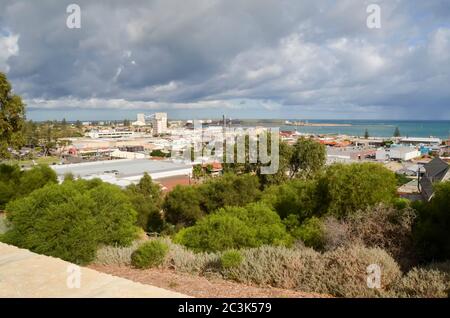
[(27, 274)]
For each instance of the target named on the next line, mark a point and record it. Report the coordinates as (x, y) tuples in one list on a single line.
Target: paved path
[(26, 274)]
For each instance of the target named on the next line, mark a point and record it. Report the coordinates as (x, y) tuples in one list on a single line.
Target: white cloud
[(9, 46)]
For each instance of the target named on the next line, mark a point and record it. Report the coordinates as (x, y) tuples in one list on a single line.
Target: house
[(437, 170), (214, 168)]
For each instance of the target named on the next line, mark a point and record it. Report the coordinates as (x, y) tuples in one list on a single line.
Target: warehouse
[(124, 171), (397, 153)]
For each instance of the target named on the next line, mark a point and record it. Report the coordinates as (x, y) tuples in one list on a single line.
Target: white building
[(123, 172), (127, 154), (140, 120), (96, 134), (159, 123), (397, 153), (420, 141)]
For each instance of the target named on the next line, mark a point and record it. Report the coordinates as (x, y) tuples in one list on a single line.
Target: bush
[(71, 220), (182, 205), (15, 183), (346, 274), (3, 224), (150, 254), (387, 228), (423, 283), (311, 233), (347, 188), (116, 255), (234, 228), (296, 197), (231, 259), (146, 198), (217, 232), (229, 190), (184, 260), (431, 231), (280, 267), (380, 226), (336, 233)]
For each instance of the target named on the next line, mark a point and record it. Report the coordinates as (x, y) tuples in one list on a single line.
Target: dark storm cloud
[(285, 56)]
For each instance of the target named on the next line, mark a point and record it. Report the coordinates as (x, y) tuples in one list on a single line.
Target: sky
[(246, 59)]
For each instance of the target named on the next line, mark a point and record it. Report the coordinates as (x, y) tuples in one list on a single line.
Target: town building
[(123, 172), (397, 153), (420, 141), (140, 120), (159, 123), (437, 170), (348, 154), (96, 134)]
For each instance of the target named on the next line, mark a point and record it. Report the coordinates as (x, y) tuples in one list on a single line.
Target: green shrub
[(347, 188), (311, 232), (431, 231), (182, 205), (231, 259), (150, 254), (216, 232), (229, 190), (296, 197), (146, 198), (71, 220), (234, 228), (15, 183)]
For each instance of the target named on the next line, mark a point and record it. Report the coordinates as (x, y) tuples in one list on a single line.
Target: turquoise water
[(379, 128)]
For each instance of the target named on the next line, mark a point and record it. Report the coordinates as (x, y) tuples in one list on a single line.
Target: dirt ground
[(198, 286)]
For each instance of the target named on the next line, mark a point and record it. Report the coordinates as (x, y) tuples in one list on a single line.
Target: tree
[(31, 134), (234, 228), (229, 189), (146, 198), (296, 197), (71, 220), (182, 206), (366, 134), (397, 132), (15, 183), (347, 188), (432, 227), (198, 172), (311, 232), (307, 159), (282, 175), (12, 118), (35, 178), (159, 153)]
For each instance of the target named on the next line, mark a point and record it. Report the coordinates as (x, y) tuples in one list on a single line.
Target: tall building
[(140, 120), (159, 123)]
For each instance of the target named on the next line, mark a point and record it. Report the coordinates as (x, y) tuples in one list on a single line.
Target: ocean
[(376, 128)]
